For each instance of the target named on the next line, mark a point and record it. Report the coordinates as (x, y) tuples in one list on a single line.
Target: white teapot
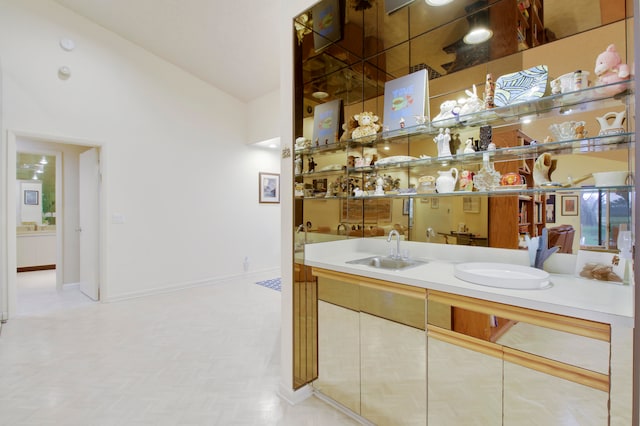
[(446, 181)]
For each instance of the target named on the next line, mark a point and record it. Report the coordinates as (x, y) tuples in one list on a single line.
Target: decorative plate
[(521, 86), (395, 159)]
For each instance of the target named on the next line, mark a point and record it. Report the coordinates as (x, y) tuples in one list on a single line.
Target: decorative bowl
[(616, 178)]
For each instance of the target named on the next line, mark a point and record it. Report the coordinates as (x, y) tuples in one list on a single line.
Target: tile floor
[(200, 356)]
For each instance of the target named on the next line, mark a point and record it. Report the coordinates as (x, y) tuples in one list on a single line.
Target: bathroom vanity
[(391, 349), (36, 247)]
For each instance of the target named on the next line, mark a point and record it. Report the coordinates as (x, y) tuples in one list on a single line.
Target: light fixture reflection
[(478, 18), (44, 160), (437, 2), (478, 35), (35, 176)]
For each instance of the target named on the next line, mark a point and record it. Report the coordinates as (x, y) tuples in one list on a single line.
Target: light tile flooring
[(200, 356)]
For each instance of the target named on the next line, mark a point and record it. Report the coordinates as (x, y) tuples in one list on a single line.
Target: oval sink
[(503, 275), (386, 262)]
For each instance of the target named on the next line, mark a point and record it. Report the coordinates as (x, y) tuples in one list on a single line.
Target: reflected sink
[(503, 275), (386, 262)]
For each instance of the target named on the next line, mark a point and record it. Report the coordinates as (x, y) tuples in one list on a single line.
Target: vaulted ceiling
[(231, 44)]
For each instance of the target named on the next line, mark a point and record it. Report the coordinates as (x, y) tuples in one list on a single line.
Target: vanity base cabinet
[(339, 355), (372, 347), (465, 386), (393, 372), (555, 401)]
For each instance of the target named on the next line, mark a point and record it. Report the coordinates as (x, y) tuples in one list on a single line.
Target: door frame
[(8, 261)]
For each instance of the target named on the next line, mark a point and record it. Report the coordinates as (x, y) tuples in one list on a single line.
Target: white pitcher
[(446, 181)]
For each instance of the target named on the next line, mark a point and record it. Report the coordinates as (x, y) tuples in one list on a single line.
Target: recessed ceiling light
[(437, 2), (478, 35), (320, 95)]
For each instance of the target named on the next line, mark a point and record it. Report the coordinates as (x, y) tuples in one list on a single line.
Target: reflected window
[(602, 215)]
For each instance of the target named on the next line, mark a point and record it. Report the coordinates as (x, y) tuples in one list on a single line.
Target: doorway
[(71, 248)]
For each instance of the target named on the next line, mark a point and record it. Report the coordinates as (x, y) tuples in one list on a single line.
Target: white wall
[(176, 162), (265, 117)]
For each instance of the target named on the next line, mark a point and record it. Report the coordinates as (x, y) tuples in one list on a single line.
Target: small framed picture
[(269, 187), (570, 205), (550, 209), (471, 204), (31, 197)]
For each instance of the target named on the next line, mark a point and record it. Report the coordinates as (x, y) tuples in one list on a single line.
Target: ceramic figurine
[(298, 164), (446, 116), (379, 186), (312, 165), (466, 180), (472, 103), (489, 90), (468, 147), (442, 142), (542, 169), (610, 127)]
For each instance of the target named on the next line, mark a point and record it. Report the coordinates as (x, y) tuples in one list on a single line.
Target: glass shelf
[(563, 104), (496, 193), (524, 152)]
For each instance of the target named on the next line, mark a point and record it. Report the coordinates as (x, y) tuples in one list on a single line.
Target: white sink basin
[(503, 275)]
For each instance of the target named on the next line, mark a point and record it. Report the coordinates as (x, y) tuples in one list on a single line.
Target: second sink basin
[(386, 262), (503, 275)]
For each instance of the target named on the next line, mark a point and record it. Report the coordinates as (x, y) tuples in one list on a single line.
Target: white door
[(89, 223)]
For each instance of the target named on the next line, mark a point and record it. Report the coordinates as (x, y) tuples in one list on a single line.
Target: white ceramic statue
[(468, 147), (442, 142)]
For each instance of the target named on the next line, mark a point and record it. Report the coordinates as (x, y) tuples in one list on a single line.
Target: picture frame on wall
[(404, 99), (471, 204), (550, 209), (327, 23), (570, 205), (31, 197), (269, 187), (326, 123)]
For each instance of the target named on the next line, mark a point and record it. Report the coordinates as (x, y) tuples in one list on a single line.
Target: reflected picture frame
[(550, 209), (269, 187), (570, 205), (31, 197)]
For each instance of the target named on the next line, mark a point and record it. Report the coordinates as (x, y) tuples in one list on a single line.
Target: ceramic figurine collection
[(507, 90)]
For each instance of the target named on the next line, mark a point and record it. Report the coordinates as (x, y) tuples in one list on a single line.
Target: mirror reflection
[(337, 72)]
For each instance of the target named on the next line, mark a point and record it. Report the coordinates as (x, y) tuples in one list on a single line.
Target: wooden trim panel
[(559, 369), (35, 268), (568, 372), (467, 342), (377, 284), (580, 327)]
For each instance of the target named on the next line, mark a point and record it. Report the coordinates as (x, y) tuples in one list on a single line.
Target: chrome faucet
[(302, 228), (397, 234), (344, 227)]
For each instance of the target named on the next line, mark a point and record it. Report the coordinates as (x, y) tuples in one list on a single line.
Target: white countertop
[(569, 295)]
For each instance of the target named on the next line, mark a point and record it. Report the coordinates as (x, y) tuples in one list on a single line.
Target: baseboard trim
[(257, 275), (355, 416), (36, 268), (294, 396)]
